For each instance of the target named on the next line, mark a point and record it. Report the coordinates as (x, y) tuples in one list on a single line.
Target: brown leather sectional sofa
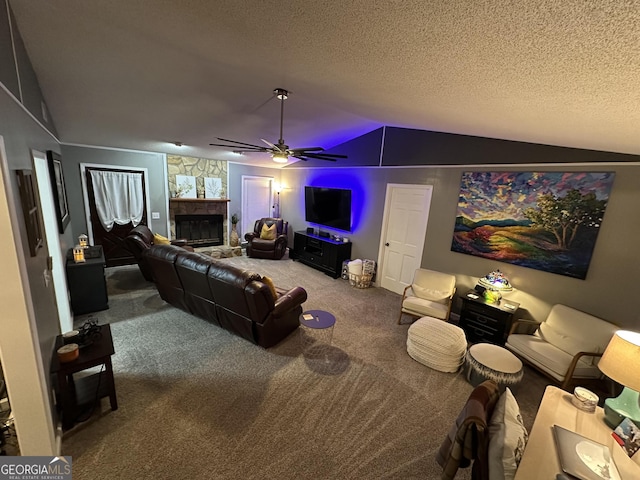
[(234, 299), (139, 240)]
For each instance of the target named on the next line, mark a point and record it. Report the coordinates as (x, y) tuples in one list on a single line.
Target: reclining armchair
[(268, 239), (565, 347)]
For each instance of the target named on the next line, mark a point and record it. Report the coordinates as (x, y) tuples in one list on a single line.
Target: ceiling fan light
[(279, 157)]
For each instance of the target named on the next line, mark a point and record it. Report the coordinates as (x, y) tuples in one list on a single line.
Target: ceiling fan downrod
[(282, 95)]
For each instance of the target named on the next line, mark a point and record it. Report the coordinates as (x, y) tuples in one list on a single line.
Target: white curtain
[(118, 197)]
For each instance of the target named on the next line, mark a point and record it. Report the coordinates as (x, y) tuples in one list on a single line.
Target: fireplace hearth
[(200, 230)]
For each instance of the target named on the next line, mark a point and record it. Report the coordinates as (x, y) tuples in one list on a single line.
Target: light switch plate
[(155, 215)]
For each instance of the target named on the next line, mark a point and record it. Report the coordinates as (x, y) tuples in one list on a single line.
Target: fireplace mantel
[(199, 200)]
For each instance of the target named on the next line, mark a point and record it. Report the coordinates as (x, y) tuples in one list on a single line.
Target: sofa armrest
[(179, 242), (250, 236), (404, 293), (289, 300), (572, 366), (524, 326)]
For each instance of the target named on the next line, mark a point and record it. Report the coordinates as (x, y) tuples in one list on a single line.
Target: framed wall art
[(212, 187), (59, 190), (186, 186), (543, 220), (31, 210)]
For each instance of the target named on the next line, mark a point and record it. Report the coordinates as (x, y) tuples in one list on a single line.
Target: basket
[(360, 281)]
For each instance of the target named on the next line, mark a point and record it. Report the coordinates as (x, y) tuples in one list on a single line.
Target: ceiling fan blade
[(313, 156), (309, 149), (323, 156), (300, 157), (329, 155), (275, 147), (238, 148), (239, 143)]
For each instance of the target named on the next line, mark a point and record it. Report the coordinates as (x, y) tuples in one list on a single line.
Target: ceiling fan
[(280, 152)]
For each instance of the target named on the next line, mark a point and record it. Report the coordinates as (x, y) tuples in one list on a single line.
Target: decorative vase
[(234, 241)]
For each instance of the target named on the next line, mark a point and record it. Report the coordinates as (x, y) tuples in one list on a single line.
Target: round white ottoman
[(437, 344), (486, 361)]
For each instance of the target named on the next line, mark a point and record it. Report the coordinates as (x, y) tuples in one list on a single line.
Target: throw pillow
[(430, 294), (268, 233), (507, 438), (160, 240), (269, 283)]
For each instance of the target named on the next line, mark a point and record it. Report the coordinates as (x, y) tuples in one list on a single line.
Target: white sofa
[(430, 295), (566, 346)]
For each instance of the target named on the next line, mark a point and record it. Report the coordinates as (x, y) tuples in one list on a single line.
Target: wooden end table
[(76, 395), (540, 459)]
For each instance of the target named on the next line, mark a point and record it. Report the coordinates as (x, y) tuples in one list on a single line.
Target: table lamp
[(619, 362), (494, 284)]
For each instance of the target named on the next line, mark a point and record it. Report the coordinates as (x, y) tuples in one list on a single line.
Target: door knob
[(386, 244)]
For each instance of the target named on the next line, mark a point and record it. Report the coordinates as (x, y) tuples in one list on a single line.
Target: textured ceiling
[(140, 74)]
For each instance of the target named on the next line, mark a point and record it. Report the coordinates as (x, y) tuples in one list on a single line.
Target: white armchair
[(565, 347), (430, 295)]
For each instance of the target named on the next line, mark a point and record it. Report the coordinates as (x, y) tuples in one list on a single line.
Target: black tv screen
[(330, 207)]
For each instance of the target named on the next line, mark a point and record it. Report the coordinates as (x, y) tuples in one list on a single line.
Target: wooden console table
[(76, 396), (540, 459)]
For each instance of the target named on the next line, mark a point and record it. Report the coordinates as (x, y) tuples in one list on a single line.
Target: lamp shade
[(621, 357), (496, 281)]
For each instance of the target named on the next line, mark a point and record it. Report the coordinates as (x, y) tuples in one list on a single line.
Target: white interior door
[(257, 194), (404, 228)]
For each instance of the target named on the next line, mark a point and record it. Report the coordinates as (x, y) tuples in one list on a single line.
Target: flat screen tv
[(330, 207)]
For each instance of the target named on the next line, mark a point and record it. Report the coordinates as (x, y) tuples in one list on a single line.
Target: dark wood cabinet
[(321, 253), (486, 322), (86, 282)]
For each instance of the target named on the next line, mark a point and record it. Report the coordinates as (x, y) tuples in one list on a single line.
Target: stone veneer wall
[(196, 167), (200, 168)]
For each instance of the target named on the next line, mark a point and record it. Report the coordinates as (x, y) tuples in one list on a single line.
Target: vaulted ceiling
[(146, 73)]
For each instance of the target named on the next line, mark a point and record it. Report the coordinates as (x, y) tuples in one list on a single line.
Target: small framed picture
[(627, 434), (59, 189), (30, 210)]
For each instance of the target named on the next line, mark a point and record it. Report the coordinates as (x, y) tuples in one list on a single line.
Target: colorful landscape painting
[(543, 220)]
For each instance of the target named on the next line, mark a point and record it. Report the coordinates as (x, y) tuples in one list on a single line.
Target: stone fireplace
[(200, 230), (203, 222)]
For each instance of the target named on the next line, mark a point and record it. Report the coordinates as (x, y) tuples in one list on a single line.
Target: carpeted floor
[(196, 402)]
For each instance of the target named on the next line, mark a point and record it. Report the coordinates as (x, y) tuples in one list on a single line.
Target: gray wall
[(16, 71), (21, 135), (236, 171), (614, 267), (155, 163)]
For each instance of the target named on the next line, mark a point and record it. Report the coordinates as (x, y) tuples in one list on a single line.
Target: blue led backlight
[(340, 179)]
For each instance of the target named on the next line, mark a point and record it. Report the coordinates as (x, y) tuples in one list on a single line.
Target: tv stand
[(321, 253)]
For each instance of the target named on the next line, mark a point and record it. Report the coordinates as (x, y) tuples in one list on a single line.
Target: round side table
[(486, 361), (316, 329)]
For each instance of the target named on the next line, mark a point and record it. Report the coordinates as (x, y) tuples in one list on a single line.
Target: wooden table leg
[(112, 385)]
